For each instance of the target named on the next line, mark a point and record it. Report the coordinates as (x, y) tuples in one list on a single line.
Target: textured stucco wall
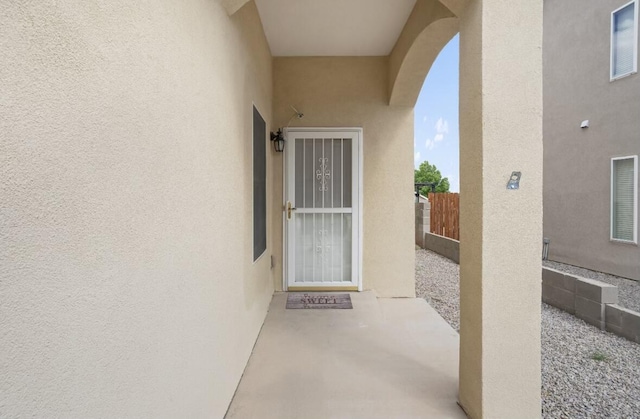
[(577, 162), (126, 277), (500, 229), (428, 29), (352, 92)]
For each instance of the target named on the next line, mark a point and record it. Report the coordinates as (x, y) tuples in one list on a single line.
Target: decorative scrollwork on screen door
[(323, 174)]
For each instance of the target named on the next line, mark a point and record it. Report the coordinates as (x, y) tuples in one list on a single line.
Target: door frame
[(286, 179)]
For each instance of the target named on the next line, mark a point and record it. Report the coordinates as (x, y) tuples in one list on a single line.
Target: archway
[(500, 132)]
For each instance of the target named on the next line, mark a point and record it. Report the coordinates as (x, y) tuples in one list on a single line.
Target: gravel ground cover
[(586, 373), (628, 290)]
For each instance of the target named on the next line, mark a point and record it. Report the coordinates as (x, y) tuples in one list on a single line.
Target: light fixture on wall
[(278, 137), (278, 141)]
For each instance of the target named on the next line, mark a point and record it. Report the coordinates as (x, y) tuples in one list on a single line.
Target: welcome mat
[(300, 300)]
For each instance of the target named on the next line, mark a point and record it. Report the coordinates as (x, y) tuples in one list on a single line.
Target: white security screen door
[(322, 208)]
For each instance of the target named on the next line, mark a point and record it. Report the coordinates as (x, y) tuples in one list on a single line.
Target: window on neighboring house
[(624, 199), (624, 40), (259, 185)]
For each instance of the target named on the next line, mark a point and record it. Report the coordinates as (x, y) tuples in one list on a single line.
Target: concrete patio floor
[(385, 358)]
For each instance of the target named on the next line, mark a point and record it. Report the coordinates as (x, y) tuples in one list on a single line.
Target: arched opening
[(492, 145), (436, 161), (417, 62)]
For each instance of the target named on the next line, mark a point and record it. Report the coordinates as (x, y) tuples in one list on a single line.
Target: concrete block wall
[(623, 322), (423, 223), (592, 298), (593, 301), (559, 290), (444, 246)]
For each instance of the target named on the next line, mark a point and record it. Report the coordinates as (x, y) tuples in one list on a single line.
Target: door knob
[(290, 209)]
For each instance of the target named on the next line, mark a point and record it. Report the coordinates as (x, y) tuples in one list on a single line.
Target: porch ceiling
[(333, 27)]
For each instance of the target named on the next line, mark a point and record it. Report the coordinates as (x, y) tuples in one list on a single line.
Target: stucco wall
[(500, 229), (577, 162), (126, 277), (353, 92), (428, 29)]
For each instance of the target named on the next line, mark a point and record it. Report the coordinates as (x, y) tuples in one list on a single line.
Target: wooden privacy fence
[(445, 214)]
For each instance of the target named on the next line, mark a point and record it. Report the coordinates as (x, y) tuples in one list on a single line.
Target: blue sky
[(436, 136)]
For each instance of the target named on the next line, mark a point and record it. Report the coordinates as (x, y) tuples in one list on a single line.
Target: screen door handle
[(290, 209)]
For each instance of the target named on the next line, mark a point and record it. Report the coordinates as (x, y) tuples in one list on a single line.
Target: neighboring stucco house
[(592, 134), (146, 221)]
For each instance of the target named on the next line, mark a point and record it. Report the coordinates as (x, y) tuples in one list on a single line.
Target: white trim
[(635, 42), (361, 204), (324, 211), (283, 217), (357, 203), (635, 201)]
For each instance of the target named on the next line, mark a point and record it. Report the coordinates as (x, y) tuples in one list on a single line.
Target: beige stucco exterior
[(127, 281), (127, 278), (577, 162), (429, 27), (352, 92), (500, 229)]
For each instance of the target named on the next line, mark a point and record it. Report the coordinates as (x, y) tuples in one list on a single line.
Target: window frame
[(635, 201), (613, 77), (259, 138)]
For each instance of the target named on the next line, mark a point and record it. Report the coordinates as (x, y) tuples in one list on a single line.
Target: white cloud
[(424, 119), (442, 126), (416, 157)]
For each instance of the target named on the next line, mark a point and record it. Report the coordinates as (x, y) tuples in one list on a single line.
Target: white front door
[(322, 208)]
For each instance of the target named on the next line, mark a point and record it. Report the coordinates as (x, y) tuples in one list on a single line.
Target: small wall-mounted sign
[(514, 180)]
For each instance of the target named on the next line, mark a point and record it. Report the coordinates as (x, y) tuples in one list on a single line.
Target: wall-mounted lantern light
[(278, 141)]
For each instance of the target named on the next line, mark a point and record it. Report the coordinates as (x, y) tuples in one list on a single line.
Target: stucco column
[(501, 230)]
